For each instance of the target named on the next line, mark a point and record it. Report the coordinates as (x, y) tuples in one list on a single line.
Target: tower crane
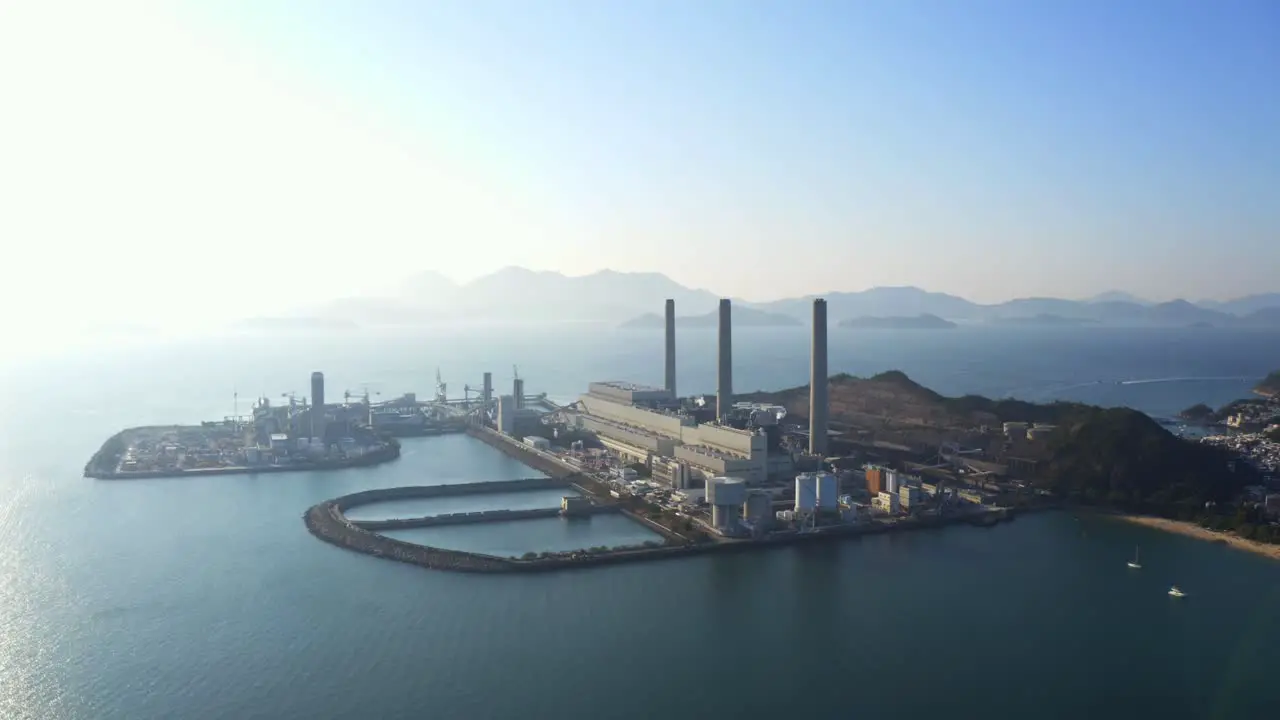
[(441, 395)]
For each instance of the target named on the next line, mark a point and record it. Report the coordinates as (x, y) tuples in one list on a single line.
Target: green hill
[(1270, 385)]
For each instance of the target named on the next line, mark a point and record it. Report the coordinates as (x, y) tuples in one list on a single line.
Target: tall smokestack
[(724, 377), (671, 347), (317, 389), (818, 402)]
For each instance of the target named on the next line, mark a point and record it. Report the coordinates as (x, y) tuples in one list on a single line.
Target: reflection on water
[(422, 507), (507, 539)]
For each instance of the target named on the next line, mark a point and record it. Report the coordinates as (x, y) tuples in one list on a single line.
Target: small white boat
[(1175, 592), (1134, 562)]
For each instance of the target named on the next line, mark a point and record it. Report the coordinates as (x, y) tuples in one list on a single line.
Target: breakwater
[(481, 516), (543, 462), (366, 497)]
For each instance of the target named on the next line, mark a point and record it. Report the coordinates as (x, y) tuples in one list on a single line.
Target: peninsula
[(918, 322), (733, 471), (1270, 386)]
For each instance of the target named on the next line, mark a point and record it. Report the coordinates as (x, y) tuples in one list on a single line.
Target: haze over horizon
[(199, 162)]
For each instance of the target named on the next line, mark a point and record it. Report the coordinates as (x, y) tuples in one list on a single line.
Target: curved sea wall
[(328, 521)]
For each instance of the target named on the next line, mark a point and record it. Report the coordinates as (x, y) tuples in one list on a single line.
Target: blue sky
[(989, 148)]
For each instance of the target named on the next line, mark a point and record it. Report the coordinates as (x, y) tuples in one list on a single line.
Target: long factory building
[(666, 441), (642, 423)]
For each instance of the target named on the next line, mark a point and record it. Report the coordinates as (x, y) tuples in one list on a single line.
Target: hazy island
[(742, 317), (1043, 320), (295, 324), (923, 321)]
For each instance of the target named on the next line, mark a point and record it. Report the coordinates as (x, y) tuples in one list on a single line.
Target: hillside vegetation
[(1270, 385), (1109, 457)]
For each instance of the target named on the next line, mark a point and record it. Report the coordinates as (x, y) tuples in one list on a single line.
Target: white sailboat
[(1175, 592), (1134, 562)]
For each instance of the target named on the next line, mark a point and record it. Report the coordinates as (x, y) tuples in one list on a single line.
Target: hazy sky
[(199, 160)]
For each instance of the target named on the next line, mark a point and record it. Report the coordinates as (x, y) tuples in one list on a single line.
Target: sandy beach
[(1192, 530)]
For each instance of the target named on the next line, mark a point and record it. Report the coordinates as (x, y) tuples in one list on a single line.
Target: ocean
[(207, 598)]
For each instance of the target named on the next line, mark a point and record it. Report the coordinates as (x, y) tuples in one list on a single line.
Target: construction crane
[(362, 397), (442, 396)]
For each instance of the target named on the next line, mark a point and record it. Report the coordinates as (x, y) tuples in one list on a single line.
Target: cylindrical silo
[(759, 507), (891, 482), (828, 492), (806, 493)]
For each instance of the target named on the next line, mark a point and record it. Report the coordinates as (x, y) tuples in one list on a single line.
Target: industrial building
[(506, 416), (892, 483), (631, 393), (875, 479), (888, 503), (648, 425), (537, 443), (910, 496)]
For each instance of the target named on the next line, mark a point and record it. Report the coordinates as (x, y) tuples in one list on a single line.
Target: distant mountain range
[(742, 317), (917, 322), (517, 296)]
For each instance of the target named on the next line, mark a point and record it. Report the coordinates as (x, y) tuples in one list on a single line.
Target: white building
[(537, 443), (726, 497)]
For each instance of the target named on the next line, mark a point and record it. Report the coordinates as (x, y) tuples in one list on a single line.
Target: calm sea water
[(207, 598)]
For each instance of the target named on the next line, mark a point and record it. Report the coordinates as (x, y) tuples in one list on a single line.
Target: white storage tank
[(759, 506), (724, 517), (828, 492), (806, 492), (726, 491)]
